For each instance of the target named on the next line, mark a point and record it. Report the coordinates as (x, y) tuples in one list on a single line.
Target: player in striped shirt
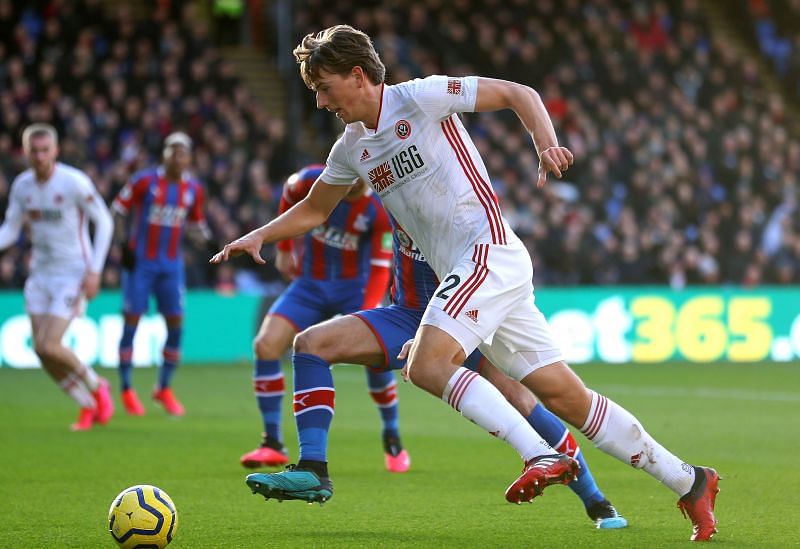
[(57, 202), (343, 267), (409, 143), (162, 203)]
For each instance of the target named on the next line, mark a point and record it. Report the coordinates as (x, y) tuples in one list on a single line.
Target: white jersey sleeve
[(440, 96), (12, 224), (91, 203), (337, 167)]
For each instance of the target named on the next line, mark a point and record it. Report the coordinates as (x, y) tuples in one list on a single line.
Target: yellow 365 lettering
[(747, 318), (655, 317), (699, 330)]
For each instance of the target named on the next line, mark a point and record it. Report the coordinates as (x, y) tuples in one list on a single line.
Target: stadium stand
[(686, 164), (114, 87), (685, 172)]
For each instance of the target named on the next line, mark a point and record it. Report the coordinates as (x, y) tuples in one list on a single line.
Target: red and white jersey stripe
[(424, 166)]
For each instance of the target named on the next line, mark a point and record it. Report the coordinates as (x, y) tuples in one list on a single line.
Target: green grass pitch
[(56, 486)]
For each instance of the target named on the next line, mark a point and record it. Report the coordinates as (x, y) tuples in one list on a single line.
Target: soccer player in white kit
[(57, 201), (409, 143)]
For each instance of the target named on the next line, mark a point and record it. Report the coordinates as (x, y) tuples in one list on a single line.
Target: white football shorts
[(57, 295), (487, 302)]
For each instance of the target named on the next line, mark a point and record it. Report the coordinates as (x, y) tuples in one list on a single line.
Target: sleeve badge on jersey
[(454, 86)]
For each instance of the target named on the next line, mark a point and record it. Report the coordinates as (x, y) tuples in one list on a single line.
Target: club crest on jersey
[(361, 223), (402, 128)]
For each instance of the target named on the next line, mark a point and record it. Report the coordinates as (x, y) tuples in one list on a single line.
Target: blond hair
[(337, 50), (38, 130)]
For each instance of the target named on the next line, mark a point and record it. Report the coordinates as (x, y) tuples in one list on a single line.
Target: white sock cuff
[(457, 386), (598, 416)]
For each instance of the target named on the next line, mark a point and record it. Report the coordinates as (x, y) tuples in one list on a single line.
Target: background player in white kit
[(408, 141), (57, 201)]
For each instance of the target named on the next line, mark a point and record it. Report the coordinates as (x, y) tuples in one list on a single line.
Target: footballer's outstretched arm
[(494, 95), (313, 210), (12, 225)]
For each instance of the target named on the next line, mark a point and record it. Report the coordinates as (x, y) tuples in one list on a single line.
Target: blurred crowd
[(115, 87), (686, 167), (686, 171), (775, 29)]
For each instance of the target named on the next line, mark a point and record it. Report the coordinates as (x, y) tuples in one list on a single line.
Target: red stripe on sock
[(598, 418), (274, 385), (312, 398), (385, 397), (464, 381)]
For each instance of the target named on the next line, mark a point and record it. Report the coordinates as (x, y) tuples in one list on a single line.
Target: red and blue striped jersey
[(355, 236), (161, 209), (414, 280)]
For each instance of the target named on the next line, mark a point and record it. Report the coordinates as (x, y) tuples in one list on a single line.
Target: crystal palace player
[(57, 201), (376, 337), (163, 200), (344, 268), (409, 142)]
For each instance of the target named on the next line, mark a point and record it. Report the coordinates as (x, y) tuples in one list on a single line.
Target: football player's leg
[(169, 292), (136, 288), (274, 337), (301, 305), (383, 390), (47, 344), (343, 339), (618, 433), (612, 428), (557, 435)]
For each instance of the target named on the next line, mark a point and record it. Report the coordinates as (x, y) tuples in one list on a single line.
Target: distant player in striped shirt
[(344, 267), (162, 202), (431, 179), (57, 202)]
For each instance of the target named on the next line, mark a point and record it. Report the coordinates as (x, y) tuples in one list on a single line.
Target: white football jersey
[(58, 212), (423, 164)]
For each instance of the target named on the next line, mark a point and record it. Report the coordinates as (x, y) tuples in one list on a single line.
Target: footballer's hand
[(286, 264), (90, 285), (553, 159), (248, 244), (403, 355)]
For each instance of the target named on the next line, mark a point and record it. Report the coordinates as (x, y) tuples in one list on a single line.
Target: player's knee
[(266, 348), (46, 350), (313, 341), (422, 373)]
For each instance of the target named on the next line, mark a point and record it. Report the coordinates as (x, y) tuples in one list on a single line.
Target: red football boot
[(395, 457), (104, 404), (131, 402), (698, 504), (539, 473), (264, 456), (167, 399), (85, 420), (400, 463)]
